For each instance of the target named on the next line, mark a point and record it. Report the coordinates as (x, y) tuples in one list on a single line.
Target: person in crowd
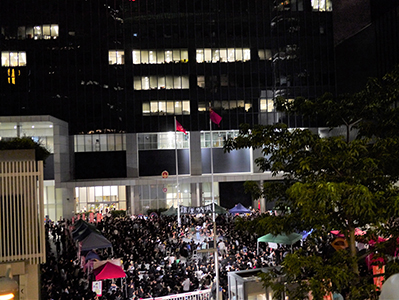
[(155, 254)]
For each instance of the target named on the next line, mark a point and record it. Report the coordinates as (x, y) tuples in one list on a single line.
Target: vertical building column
[(133, 199), (63, 153), (255, 169), (262, 201), (255, 154), (196, 193), (68, 202), (195, 153), (132, 156)]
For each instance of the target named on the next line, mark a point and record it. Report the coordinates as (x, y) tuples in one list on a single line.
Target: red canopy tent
[(109, 271), (357, 232)]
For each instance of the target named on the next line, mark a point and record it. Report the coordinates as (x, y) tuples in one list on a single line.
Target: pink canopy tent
[(109, 271)]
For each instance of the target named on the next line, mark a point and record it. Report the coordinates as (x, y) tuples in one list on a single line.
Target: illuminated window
[(153, 56), (265, 54), (116, 57), (146, 108), (266, 105), (162, 107), (13, 59), (170, 109), (160, 82), (12, 74), (186, 107), (322, 5), (37, 32), (166, 107), (201, 81), (247, 106)]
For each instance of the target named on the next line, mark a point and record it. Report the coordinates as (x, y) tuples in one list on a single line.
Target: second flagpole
[(215, 238), (177, 178)]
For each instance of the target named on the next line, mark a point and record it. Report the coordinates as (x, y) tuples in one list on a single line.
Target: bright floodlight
[(7, 296)]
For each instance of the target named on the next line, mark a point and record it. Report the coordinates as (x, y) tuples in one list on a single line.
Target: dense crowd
[(159, 257)]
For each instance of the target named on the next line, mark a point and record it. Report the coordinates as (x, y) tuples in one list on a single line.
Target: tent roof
[(79, 225), (172, 211), (290, 239), (95, 241), (92, 255), (109, 271), (239, 209), (83, 231), (219, 209)]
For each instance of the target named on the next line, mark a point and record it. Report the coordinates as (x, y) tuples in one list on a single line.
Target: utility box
[(246, 285)]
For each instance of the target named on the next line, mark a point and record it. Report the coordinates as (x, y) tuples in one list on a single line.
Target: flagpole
[(214, 216), (177, 178)]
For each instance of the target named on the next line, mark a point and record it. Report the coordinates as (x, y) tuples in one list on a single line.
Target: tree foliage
[(41, 152), (332, 183)]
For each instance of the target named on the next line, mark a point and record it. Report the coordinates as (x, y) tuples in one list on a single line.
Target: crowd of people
[(159, 257)]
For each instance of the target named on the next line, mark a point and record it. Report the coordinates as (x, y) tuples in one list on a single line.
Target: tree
[(41, 152), (332, 183)]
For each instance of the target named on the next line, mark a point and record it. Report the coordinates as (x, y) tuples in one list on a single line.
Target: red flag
[(215, 118), (180, 128)]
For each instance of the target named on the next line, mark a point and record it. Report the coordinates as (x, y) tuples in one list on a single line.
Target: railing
[(197, 295)]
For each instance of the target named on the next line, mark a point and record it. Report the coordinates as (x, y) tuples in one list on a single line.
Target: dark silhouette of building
[(370, 50)]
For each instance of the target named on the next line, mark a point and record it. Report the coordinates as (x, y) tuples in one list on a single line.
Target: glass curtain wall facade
[(129, 66), (113, 68)]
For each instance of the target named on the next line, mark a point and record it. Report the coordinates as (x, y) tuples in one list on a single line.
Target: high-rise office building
[(370, 50), (99, 82)]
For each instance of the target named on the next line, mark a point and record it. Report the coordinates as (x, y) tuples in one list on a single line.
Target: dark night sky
[(350, 16)]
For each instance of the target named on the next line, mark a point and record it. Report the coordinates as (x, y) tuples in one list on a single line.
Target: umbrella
[(389, 289), (109, 271), (305, 234), (289, 239)]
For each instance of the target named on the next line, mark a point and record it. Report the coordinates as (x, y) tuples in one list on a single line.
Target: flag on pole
[(180, 128), (215, 118)]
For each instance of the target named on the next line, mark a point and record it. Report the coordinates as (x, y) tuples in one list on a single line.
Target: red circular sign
[(164, 189)]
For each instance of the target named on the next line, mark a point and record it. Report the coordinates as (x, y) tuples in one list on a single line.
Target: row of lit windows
[(99, 142), (117, 57), (166, 140), (100, 198), (161, 82), (183, 107), (162, 140), (38, 32), (166, 108), (297, 5), (159, 56), (222, 55), (13, 59)]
